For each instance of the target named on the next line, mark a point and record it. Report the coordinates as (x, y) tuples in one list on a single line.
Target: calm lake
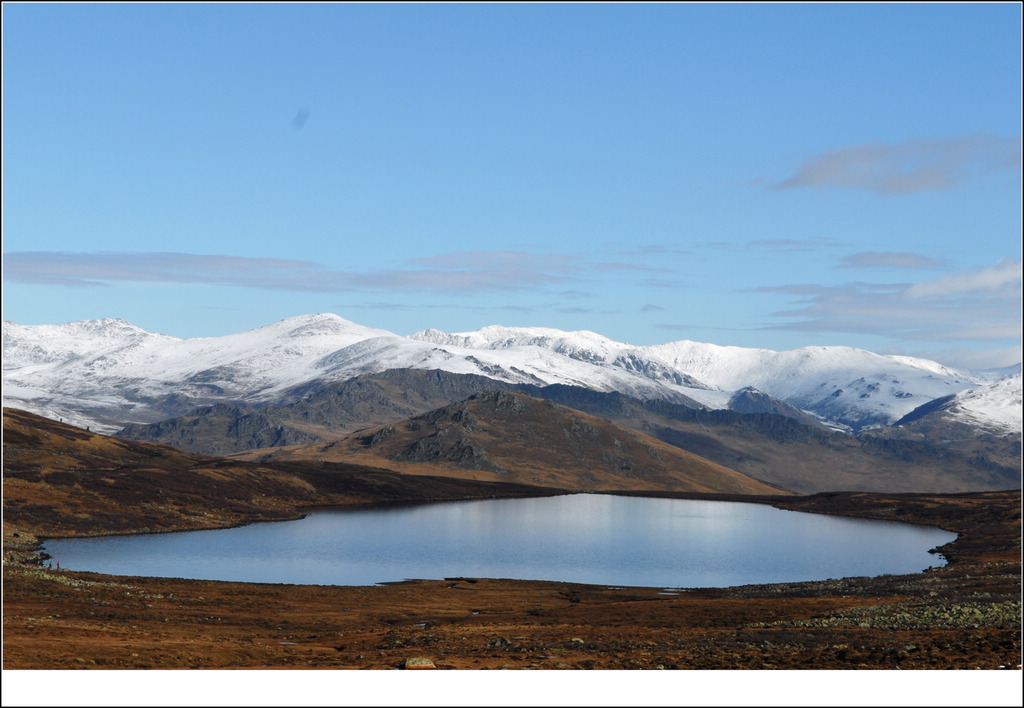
[(583, 538)]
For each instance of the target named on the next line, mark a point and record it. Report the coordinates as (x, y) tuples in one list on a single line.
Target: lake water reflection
[(584, 538)]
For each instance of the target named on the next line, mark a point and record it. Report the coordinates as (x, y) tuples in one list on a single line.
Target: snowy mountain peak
[(319, 325), (27, 345), (997, 405), (111, 372), (83, 331), (609, 361), (501, 337), (925, 365)]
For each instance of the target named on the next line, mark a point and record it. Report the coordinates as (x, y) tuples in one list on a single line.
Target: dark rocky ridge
[(314, 411), (318, 411), (751, 401), (786, 450), (507, 435)]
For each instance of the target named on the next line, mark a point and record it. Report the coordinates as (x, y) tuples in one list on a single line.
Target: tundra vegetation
[(61, 481)]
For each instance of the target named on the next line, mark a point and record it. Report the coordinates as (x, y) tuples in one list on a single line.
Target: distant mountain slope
[(790, 451), (314, 411), (62, 480), (783, 450), (508, 436), (850, 388), (107, 373), (846, 387), (749, 400), (993, 407)]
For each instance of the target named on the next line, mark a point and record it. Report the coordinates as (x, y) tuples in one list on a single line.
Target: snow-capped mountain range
[(106, 373)]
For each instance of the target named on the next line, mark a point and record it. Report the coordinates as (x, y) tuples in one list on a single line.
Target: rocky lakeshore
[(965, 615), (64, 482)]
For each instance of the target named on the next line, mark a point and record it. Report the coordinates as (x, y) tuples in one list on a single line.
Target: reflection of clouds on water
[(587, 538)]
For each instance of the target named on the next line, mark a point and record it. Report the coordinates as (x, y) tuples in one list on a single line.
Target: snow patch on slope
[(997, 405), (842, 384)]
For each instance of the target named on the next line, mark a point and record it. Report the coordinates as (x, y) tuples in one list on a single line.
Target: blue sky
[(757, 175)]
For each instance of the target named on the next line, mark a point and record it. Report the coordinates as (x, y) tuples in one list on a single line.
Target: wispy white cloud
[(575, 294), (386, 306), (906, 168), (646, 250), (461, 272), (889, 259), (791, 245), (771, 245), (609, 267), (474, 271), (513, 261), (969, 306), (455, 273), (101, 269), (967, 358), (667, 283), (1003, 278), (689, 327)]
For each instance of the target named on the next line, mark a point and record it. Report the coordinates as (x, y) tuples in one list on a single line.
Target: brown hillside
[(962, 616), (64, 481), (512, 437), (808, 461)]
